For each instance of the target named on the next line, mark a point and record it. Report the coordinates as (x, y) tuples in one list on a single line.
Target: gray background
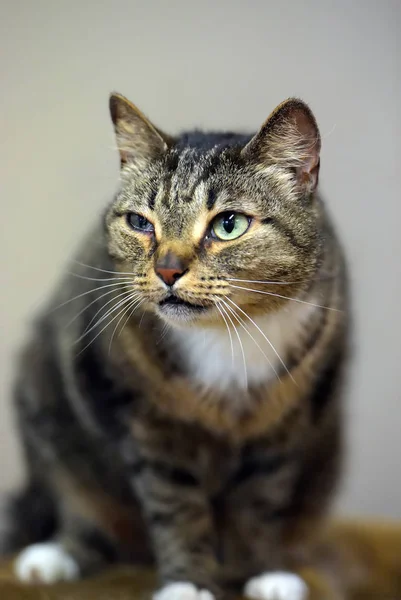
[(217, 65)]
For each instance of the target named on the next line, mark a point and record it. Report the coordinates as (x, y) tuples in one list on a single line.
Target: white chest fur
[(247, 358)]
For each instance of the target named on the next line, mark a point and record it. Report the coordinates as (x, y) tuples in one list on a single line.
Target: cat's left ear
[(138, 140), (290, 139)]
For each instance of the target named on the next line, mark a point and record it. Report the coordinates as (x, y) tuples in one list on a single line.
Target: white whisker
[(238, 287), (89, 305), (322, 277), (242, 323), (103, 328), (222, 311), (96, 289), (124, 293), (102, 270), (126, 279), (103, 317), (130, 315), (241, 347), (265, 282), (265, 337), (135, 302), (163, 333), (141, 319)]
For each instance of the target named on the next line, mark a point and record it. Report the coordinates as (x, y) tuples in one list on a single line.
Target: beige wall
[(222, 65)]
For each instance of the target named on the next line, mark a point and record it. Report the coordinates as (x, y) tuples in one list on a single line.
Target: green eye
[(139, 222), (230, 225)]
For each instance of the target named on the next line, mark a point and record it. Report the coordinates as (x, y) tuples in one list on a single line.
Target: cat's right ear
[(289, 140), (138, 141)]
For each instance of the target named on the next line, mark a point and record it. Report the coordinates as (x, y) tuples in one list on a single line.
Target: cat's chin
[(181, 314)]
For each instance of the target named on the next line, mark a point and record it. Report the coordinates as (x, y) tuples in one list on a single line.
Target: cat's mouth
[(176, 301), (175, 307)]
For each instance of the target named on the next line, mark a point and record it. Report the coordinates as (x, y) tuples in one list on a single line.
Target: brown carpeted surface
[(367, 557)]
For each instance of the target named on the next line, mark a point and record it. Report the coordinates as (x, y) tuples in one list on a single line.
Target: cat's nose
[(170, 267)]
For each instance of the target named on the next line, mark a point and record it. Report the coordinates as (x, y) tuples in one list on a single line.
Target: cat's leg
[(278, 503), (26, 517), (252, 543), (180, 523), (51, 439), (76, 545), (181, 529), (78, 549)]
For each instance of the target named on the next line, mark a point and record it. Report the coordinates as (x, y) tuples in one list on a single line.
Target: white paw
[(45, 563), (182, 590), (276, 586)]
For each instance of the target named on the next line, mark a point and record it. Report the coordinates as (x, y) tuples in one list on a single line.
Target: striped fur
[(145, 444)]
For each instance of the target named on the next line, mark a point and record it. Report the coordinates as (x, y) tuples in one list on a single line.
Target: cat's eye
[(229, 225), (139, 222)]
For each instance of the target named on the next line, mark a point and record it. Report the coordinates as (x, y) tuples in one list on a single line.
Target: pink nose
[(170, 268), (169, 276)]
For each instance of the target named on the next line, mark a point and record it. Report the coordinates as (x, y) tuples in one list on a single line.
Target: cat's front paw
[(182, 590), (276, 586), (45, 563)]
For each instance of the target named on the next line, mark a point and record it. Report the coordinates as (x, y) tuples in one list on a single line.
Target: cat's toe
[(182, 590), (276, 586), (45, 563)]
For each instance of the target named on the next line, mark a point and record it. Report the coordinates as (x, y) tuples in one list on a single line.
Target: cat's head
[(205, 226)]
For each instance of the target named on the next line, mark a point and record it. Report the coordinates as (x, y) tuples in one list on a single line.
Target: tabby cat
[(180, 399)]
